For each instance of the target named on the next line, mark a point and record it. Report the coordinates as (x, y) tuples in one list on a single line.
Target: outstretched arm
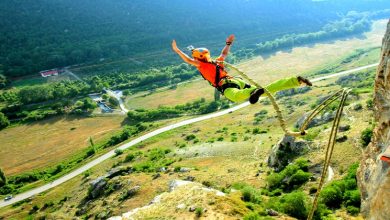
[(184, 56), (225, 50)]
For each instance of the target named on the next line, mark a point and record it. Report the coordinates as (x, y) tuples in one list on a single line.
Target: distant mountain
[(43, 34)]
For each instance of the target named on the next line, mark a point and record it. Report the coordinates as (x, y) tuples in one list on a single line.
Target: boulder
[(319, 120), (97, 187), (117, 171), (344, 128), (285, 151)]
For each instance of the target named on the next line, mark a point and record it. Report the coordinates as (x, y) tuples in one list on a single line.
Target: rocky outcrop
[(374, 174), (284, 152), (319, 120), (181, 201)]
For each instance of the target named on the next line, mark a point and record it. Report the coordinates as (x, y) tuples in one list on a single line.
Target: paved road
[(110, 154)]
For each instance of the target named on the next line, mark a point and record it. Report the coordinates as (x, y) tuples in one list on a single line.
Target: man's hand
[(174, 46), (230, 39)]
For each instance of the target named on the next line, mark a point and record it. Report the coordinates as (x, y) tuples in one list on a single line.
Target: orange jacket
[(209, 72)]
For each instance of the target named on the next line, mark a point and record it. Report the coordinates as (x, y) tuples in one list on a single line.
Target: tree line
[(38, 35)]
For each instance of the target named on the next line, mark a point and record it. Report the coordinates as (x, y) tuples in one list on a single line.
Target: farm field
[(45, 143), (303, 60)]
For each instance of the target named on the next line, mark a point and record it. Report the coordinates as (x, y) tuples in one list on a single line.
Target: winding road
[(110, 154)]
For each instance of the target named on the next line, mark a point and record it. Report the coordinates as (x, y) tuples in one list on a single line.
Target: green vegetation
[(198, 211), (153, 160), (366, 136), (357, 54), (3, 178), (296, 203), (3, 81), (361, 82), (291, 177), (343, 192), (197, 107), (62, 40), (351, 24), (4, 122)]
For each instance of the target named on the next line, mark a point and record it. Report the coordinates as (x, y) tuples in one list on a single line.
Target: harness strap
[(227, 85), (218, 74)]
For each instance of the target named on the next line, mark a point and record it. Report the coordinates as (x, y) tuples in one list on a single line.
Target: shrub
[(298, 178), (118, 152), (91, 151), (190, 137), (129, 157), (198, 211), (370, 104), (4, 122), (250, 194), (331, 196), (252, 216), (291, 177), (302, 163), (353, 210), (295, 205), (366, 136), (352, 198), (321, 211)]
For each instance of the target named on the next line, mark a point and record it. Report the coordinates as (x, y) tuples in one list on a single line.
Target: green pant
[(242, 94)]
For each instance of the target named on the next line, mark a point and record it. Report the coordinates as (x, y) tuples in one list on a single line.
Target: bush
[(298, 178), (352, 198), (4, 122), (331, 196), (252, 216), (366, 136), (118, 152), (198, 211), (295, 205), (250, 194), (291, 177), (353, 210), (190, 137), (129, 157), (302, 163)]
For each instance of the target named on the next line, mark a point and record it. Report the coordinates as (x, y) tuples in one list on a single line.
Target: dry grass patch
[(45, 143), (184, 93), (306, 59)]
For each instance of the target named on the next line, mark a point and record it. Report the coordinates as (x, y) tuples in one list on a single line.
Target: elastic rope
[(272, 99), (329, 150)]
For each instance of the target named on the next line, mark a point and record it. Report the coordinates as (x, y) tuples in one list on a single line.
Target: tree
[(3, 179), (3, 81), (4, 122), (113, 101)]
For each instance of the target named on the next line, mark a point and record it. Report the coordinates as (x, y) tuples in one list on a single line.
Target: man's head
[(201, 54)]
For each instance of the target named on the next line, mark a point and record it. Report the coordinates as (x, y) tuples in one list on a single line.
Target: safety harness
[(226, 84)]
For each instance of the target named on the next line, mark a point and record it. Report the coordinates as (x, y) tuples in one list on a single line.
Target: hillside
[(126, 130), (39, 35)]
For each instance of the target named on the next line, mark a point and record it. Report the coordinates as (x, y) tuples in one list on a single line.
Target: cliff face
[(374, 174)]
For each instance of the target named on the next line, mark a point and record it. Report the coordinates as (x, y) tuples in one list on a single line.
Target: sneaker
[(303, 80), (255, 95)]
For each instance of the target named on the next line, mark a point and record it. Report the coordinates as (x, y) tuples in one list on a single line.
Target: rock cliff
[(374, 174)]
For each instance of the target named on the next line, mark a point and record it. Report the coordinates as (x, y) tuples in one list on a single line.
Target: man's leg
[(283, 84), (238, 94)]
